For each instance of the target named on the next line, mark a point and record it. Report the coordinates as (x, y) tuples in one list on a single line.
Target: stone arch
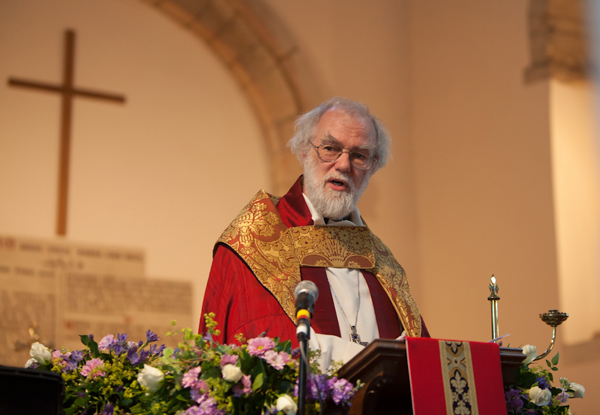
[(259, 53)]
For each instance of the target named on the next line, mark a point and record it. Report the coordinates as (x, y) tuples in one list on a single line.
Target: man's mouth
[(338, 184)]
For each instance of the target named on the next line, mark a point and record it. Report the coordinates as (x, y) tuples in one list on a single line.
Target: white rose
[(150, 377), (231, 373), (530, 353), (539, 396), (30, 363), (40, 353), (578, 390), (286, 404)]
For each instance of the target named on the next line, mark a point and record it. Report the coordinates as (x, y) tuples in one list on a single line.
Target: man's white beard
[(332, 204)]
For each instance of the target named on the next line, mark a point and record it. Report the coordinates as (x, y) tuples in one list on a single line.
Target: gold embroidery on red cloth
[(275, 253), (458, 378), (393, 279), (333, 246)]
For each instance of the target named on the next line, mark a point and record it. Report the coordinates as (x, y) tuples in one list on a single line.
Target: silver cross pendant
[(355, 337)]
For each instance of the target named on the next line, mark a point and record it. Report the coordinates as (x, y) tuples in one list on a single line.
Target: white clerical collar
[(318, 219)]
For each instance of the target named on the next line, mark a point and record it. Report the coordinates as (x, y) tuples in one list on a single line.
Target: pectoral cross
[(68, 91), (355, 337)]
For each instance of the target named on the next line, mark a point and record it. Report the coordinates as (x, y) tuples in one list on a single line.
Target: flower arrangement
[(533, 392), (199, 377)]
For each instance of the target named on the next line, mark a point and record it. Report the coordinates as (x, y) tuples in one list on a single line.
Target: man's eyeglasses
[(361, 159)]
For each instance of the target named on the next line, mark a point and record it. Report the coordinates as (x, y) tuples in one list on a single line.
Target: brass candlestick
[(494, 298), (552, 318)]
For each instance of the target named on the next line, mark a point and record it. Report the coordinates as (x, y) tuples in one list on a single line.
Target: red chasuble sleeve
[(240, 303)]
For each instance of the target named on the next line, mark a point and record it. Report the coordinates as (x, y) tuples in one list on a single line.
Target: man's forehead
[(335, 123)]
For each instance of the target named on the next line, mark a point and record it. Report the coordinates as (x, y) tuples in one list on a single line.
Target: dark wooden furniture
[(30, 392), (383, 368)]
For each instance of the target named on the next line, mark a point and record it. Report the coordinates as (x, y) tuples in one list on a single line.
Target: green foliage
[(119, 377), (534, 393)]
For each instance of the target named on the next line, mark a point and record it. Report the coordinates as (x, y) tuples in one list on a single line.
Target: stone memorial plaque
[(52, 291)]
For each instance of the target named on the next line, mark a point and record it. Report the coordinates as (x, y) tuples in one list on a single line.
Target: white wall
[(165, 172)]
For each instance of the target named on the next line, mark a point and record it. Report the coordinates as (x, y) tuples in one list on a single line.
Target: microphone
[(305, 293)]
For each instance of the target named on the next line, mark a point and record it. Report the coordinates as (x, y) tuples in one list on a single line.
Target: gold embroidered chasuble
[(275, 254)]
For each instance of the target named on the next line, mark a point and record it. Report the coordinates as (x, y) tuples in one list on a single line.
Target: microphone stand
[(306, 293), (303, 333)]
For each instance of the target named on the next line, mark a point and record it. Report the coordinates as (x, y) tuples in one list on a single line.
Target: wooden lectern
[(383, 368)]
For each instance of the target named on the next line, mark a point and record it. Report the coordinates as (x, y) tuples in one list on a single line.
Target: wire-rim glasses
[(361, 159)]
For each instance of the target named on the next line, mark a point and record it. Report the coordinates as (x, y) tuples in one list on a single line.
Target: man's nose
[(343, 163)]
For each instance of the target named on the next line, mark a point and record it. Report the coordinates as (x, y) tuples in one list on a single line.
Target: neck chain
[(354, 336)]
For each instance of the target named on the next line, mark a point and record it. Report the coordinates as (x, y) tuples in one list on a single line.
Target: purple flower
[(121, 338), (228, 359), (314, 389), (157, 351), (260, 345), (513, 400), (32, 364), (91, 336), (118, 349), (133, 357), (190, 378), (151, 337), (106, 343), (193, 410), (542, 382), (206, 406), (243, 388), (271, 411), (71, 365), (562, 397), (108, 410), (144, 355), (200, 389), (341, 390), (77, 356), (63, 361)]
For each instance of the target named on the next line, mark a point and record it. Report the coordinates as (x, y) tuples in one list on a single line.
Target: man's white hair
[(306, 127)]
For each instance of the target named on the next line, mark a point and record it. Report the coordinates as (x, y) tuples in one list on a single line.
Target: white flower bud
[(40, 353), (286, 404), (231, 373), (539, 396), (530, 353), (150, 377), (578, 390)]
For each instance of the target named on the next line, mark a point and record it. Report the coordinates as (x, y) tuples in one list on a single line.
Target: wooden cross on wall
[(68, 91)]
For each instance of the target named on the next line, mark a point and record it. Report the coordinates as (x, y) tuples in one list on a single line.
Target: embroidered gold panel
[(457, 374), (333, 246), (275, 254)]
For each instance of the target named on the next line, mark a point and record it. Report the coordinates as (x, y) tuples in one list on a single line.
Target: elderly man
[(315, 232)]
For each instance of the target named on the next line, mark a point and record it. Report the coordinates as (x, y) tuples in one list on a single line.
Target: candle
[(494, 304)]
